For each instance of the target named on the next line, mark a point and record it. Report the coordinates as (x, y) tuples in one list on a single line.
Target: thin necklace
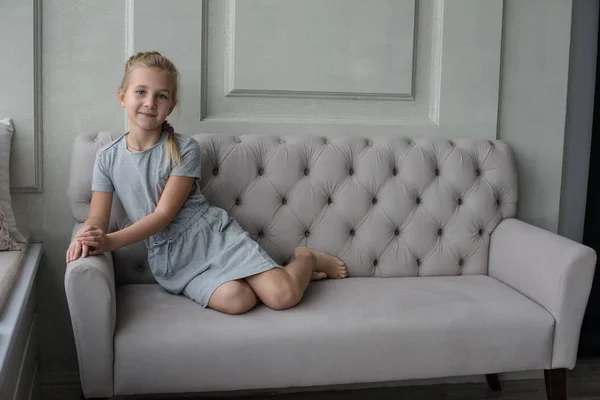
[(130, 146)]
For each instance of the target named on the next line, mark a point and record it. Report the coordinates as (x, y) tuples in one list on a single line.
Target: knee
[(283, 294), (237, 298)]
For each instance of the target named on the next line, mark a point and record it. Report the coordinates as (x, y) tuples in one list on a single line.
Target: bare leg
[(282, 288), (233, 297)]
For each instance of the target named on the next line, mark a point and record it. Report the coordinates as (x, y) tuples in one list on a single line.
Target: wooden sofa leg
[(556, 383), (493, 382)]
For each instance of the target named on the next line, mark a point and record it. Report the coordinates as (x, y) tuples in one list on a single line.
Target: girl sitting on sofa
[(194, 248)]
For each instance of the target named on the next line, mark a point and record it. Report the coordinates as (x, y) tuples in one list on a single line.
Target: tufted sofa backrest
[(388, 206)]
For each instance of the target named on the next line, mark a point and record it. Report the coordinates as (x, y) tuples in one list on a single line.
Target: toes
[(343, 273)]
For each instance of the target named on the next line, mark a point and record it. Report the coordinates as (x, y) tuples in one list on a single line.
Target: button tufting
[(409, 142), (397, 232), (451, 143), (418, 261), (497, 202), (238, 202), (440, 231), (329, 200), (395, 171), (478, 172), (306, 171), (369, 143), (238, 140), (352, 232), (306, 233), (351, 171), (460, 201), (375, 262), (326, 141), (215, 171), (261, 234), (284, 201), (480, 232), (418, 200), (460, 262), (261, 171), (437, 172), (374, 201), (281, 141)]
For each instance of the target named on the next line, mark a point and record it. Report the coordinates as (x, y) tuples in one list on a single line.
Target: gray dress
[(203, 247)]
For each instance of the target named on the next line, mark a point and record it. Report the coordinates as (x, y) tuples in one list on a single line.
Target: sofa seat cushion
[(344, 331)]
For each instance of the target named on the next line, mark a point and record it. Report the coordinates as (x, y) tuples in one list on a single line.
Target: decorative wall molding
[(37, 185), (452, 89), (204, 60), (232, 91)]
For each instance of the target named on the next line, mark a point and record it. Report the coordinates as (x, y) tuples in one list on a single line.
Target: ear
[(121, 97)]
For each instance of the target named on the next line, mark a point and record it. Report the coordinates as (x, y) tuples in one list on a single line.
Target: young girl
[(193, 248)]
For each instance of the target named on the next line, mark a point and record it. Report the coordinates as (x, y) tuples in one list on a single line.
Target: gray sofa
[(444, 281)]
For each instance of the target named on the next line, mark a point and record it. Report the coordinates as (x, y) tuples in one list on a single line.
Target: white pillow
[(6, 242), (6, 132)]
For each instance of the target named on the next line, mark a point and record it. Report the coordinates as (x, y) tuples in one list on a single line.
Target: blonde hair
[(153, 59)]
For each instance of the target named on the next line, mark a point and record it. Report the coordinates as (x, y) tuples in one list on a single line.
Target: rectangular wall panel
[(20, 95), (322, 48), (386, 67)]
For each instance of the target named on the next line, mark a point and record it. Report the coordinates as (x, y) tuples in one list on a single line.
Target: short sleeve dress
[(203, 247)]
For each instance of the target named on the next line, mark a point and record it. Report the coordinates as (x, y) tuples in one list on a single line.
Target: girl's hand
[(93, 241), (74, 251)]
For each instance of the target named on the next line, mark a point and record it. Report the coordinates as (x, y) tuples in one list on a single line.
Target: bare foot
[(332, 266), (317, 276)]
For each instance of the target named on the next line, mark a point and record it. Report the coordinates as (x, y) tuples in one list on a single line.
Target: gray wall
[(83, 52)]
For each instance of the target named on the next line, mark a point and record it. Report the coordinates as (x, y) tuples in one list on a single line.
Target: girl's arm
[(99, 214), (172, 199)]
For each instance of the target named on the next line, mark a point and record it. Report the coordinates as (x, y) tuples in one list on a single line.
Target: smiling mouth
[(148, 115)]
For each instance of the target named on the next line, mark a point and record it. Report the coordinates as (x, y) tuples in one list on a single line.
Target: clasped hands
[(90, 240)]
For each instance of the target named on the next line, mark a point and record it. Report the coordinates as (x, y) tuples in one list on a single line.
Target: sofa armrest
[(90, 291), (551, 270)]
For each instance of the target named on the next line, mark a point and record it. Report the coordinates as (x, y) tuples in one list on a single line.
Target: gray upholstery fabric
[(415, 220), (387, 206), (553, 271), (359, 330)]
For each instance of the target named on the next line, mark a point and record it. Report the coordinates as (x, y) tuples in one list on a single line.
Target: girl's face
[(147, 99)]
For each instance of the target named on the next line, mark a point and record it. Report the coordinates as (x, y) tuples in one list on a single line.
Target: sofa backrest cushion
[(388, 206)]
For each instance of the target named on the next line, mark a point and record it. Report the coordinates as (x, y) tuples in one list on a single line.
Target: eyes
[(162, 96)]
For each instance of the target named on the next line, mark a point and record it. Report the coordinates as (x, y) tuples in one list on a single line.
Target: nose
[(150, 102)]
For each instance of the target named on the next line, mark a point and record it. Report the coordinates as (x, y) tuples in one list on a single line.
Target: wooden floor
[(583, 384)]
